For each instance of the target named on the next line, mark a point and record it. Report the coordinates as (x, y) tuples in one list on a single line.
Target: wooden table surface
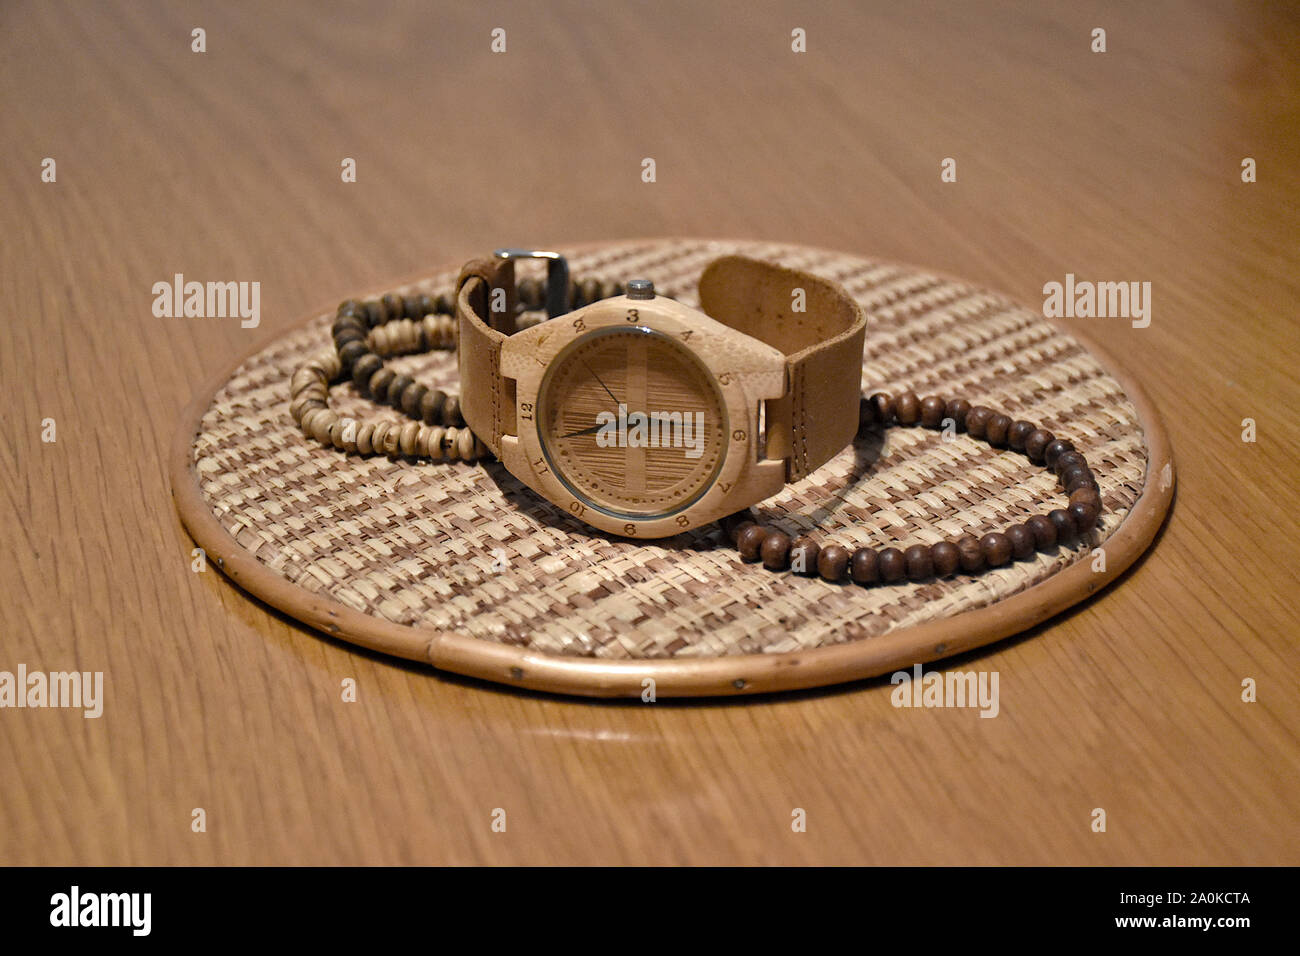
[(225, 165)]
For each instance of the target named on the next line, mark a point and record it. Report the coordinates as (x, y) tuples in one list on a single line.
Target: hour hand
[(583, 431)]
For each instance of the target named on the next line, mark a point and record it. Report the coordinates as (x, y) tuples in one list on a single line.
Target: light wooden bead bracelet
[(309, 405)]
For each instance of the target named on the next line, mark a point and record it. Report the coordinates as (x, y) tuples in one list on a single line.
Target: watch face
[(631, 422)]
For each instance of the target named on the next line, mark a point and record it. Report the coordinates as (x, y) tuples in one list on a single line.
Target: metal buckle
[(557, 276)]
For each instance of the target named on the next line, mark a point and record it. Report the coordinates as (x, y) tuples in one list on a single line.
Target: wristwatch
[(644, 417)]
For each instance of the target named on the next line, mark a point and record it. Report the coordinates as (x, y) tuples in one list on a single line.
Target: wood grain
[(225, 165)]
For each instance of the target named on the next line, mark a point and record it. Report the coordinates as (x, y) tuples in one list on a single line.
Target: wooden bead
[(803, 555), (465, 445), (750, 542), (945, 558), (335, 433), (1044, 532), (451, 442), (434, 442), (299, 407), (307, 416), (1018, 433), (1079, 483), (1022, 541), (1087, 495), (996, 548), (932, 409), (1082, 484), (1078, 476), (977, 420), (431, 403), (1064, 524), (907, 408), (374, 312), (731, 524), (395, 389), (1067, 460), (444, 332), (893, 567), (775, 551), (1036, 443), (884, 407), (917, 561), (364, 369), (345, 322), (329, 366), (1054, 450), (995, 432), (393, 440), (735, 536), (301, 379), (591, 290), (406, 438), (354, 308), (392, 305), (430, 337), (378, 435), (451, 411), (413, 306), (320, 425), (350, 432), (833, 562), (864, 566), (351, 352), (957, 409), (1085, 509), (412, 397), (970, 556), (316, 392), (381, 340), (1084, 516), (379, 382), (363, 438), (348, 335), (445, 304)]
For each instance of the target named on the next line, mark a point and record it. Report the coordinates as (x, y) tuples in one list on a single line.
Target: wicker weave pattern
[(467, 549)]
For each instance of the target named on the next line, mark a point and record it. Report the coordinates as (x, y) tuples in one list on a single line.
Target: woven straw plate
[(462, 567)]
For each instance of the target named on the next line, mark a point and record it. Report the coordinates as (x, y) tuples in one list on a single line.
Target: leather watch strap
[(482, 284), (823, 346)]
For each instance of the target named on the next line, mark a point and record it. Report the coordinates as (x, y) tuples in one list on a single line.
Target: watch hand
[(583, 431), (602, 384)]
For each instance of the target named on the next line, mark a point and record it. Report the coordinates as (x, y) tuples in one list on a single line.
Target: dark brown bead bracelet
[(968, 554)]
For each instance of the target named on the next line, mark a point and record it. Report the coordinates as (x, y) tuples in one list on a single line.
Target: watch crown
[(640, 289)]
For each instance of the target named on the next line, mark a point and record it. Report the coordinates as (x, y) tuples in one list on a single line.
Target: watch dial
[(631, 422)]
